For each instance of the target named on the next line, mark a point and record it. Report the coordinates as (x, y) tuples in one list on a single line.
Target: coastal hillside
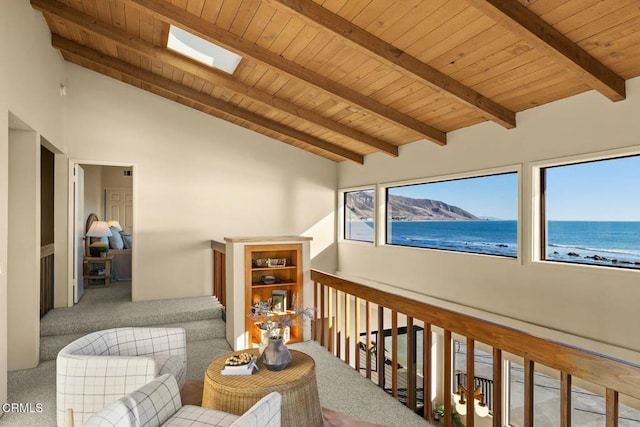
[(409, 209)]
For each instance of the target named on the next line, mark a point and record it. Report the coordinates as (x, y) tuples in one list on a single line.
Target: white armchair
[(105, 365), (158, 404)]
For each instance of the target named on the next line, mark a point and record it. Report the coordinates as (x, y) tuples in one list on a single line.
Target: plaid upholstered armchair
[(158, 404), (105, 365)]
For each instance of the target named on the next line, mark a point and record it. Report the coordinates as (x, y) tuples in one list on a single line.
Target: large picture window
[(477, 215), (591, 212), (359, 214)]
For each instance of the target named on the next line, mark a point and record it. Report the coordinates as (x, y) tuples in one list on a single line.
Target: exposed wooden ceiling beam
[(216, 78), (401, 60), (174, 15), (534, 30), (198, 97)]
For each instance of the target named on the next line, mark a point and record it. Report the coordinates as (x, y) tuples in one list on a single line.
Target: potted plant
[(438, 414), (275, 354), (104, 251)]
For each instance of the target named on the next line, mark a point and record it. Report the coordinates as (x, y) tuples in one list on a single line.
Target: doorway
[(93, 185)]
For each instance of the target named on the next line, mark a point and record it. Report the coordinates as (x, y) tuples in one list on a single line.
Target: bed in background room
[(119, 244)]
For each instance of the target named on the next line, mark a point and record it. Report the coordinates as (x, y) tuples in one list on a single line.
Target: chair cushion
[(149, 406), (171, 365), (267, 412), (194, 415)]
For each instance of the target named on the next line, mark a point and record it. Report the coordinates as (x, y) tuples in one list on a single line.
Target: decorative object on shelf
[(276, 356), (268, 280), (479, 404), (279, 300), (261, 262), (276, 262)]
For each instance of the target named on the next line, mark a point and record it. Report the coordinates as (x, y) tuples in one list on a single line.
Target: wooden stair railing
[(46, 278), (219, 269), (616, 376)]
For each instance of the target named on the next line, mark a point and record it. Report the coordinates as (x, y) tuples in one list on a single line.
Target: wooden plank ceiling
[(347, 78)]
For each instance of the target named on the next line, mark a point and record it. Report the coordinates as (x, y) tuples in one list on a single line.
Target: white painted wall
[(196, 178), (30, 75), (93, 191), (23, 264), (596, 303)]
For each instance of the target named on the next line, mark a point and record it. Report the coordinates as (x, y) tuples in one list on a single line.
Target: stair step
[(64, 321), (199, 330)]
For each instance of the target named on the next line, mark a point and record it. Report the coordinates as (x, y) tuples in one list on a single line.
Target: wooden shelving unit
[(288, 278)]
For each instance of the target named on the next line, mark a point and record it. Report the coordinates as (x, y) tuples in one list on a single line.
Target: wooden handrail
[(611, 373)]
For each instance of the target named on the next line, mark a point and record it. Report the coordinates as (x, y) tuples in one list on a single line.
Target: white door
[(78, 237), (119, 207)]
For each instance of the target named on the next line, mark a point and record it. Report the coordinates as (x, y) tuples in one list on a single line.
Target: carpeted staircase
[(104, 308)]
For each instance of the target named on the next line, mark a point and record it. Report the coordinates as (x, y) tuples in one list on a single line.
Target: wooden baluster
[(356, 346), (470, 386), (426, 372), (380, 346), (347, 328), (322, 311), (330, 320), (411, 365), (368, 352), (316, 314), (528, 392), (394, 353), (497, 388), (612, 408), (338, 326), (447, 378), (565, 400)]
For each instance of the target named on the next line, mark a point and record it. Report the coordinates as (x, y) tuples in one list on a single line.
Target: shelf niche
[(249, 281)]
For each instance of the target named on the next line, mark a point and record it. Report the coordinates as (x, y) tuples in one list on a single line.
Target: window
[(202, 50), (477, 215), (359, 214), (591, 212)]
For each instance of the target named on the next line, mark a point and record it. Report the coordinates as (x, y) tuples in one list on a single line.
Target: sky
[(494, 196), (607, 190)]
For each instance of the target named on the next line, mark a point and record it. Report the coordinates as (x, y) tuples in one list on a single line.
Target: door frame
[(71, 221)]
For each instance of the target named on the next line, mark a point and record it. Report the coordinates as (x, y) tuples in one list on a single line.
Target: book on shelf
[(246, 369), (279, 301)]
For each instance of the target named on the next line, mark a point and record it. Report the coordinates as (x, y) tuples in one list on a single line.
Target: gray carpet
[(340, 387)]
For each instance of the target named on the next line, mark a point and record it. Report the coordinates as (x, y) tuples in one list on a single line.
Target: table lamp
[(99, 229)]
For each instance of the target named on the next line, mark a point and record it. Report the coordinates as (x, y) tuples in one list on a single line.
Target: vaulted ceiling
[(347, 78)]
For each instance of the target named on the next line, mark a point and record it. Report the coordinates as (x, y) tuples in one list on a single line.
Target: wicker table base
[(296, 383)]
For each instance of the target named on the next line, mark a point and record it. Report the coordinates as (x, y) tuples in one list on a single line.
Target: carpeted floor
[(348, 398)]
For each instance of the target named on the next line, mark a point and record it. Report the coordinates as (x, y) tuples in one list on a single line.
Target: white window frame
[(381, 220), (341, 213), (537, 194)]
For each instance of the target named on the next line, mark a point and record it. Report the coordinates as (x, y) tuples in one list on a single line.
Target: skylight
[(202, 50)]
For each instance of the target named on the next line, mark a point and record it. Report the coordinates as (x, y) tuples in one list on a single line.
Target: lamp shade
[(99, 229), (115, 224)]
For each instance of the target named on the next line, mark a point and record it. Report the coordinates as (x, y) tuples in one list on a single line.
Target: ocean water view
[(593, 242)]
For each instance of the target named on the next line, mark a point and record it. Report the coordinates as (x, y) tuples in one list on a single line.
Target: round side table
[(296, 383)]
